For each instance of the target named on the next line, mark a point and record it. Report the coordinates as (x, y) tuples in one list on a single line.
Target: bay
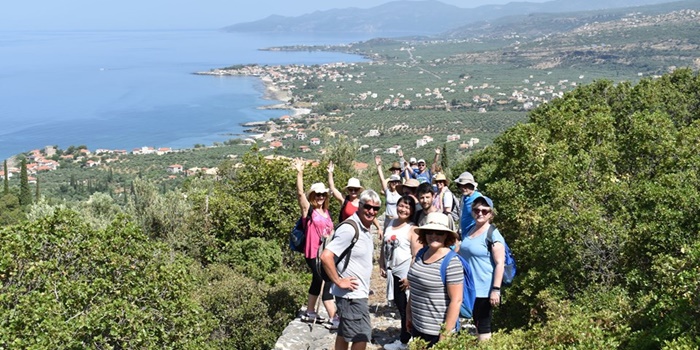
[(128, 89)]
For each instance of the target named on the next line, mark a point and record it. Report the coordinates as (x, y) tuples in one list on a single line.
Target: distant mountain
[(417, 17)]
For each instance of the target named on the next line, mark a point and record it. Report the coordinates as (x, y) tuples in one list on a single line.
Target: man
[(467, 186), (426, 195), (351, 286), (423, 174)]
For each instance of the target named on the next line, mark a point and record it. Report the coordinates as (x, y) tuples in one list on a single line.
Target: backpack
[(297, 238), (468, 287), (347, 251), (456, 212), (509, 269)]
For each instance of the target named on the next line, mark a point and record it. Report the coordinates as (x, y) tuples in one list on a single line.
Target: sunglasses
[(421, 164), (436, 233), (481, 211), (320, 194), (371, 207), (353, 189)]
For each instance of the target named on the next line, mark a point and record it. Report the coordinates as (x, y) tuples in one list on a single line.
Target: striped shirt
[(429, 299)]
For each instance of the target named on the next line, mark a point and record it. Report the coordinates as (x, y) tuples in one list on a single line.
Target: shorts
[(354, 320)]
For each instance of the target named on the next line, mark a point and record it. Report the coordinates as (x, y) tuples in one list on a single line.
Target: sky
[(170, 14)]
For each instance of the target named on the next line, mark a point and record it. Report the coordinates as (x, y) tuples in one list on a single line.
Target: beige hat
[(395, 166), (354, 183), (466, 178), (411, 183), (317, 188), (440, 177), (437, 221), (394, 177)]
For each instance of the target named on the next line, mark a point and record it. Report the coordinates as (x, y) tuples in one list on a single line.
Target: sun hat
[(411, 183), (437, 221), (395, 166), (412, 160), (394, 177), (353, 183), (466, 178), (318, 187), (440, 177)]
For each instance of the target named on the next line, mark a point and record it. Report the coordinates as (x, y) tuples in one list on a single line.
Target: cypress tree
[(37, 195), (25, 194), (6, 183)]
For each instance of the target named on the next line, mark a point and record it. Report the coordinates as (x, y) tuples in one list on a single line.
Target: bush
[(66, 285)]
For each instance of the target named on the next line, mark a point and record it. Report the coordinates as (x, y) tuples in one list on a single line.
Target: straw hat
[(354, 183), (411, 183), (317, 188), (440, 177), (395, 166), (437, 221), (394, 177)]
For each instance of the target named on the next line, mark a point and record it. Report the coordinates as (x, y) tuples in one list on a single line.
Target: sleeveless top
[(318, 227), (397, 249), (347, 210), (392, 199)]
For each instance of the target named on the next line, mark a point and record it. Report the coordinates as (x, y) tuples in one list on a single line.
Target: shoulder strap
[(342, 209), (419, 255), (445, 263), (309, 215), (352, 242)]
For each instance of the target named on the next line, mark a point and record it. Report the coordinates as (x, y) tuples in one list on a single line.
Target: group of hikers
[(424, 224)]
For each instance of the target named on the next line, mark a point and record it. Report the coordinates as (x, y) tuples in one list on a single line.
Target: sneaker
[(335, 323), (396, 345), (312, 317)]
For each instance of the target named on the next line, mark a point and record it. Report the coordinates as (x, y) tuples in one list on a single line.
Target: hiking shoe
[(396, 345), (312, 317)]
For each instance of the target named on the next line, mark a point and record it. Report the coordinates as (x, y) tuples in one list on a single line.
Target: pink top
[(319, 226)]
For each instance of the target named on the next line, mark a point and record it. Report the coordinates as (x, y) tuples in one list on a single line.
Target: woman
[(487, 260), (390, 189), (433, 303), (399, 248), (349, 202), (319, 226), (443, 200)]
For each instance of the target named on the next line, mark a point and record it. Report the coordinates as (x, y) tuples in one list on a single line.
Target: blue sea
[(128, 89)]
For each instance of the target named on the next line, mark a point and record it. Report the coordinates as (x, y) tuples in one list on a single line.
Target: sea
[(128, 89)]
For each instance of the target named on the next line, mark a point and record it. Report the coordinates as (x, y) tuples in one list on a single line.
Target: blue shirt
[(425, 176), (476, 252), (466, 221)]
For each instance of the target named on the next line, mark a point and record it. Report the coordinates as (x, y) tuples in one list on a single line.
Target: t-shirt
[(318, 227), (425, 176), (477, 253), (429, 298), (360, 258)]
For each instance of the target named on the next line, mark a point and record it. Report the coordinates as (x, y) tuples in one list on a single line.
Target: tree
[(25, 194), (600, 191)]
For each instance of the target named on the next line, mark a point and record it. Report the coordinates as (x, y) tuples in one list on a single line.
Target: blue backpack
[(297, 238), (509, 269), (468, 288)]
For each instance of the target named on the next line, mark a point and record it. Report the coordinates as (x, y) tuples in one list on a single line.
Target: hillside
[(417, 17)]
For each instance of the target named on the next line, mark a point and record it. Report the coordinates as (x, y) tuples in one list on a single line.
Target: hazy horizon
[(171, 14)]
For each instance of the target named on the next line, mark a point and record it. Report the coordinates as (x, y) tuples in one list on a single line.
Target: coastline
[(274, 92)]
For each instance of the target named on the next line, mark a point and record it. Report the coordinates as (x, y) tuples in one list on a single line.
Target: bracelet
[(496, 288)]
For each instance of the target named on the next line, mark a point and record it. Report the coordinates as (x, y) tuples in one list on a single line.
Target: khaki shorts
[(355, 324)]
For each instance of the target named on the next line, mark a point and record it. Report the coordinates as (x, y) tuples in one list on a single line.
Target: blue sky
[(169, 14)]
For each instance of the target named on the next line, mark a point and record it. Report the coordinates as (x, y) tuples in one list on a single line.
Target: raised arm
[(298, 164), (336, 194), (380, 172), (402, 160), (436, 161)]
